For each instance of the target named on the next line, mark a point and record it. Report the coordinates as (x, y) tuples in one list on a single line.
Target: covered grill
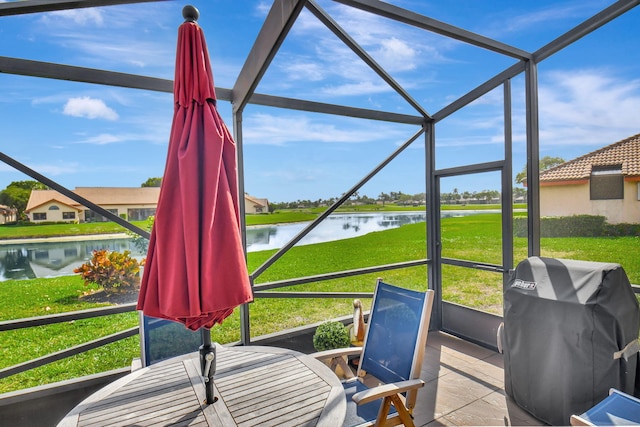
[(570, 333)]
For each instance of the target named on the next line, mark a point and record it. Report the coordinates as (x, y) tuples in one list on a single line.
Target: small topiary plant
[(113, 271), (330, 335)]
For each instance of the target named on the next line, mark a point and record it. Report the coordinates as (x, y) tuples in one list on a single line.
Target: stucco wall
[(7, 218), (56, 214), (566, 200), (631, 208)]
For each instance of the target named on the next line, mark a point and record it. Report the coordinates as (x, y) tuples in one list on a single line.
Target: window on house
[(140, 214), (54, 208), (41, 254), (68, 215), (70, 252), (607, 182), (39, 216), (91, 216)]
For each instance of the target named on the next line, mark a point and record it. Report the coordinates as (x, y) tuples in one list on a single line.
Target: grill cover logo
[(522, 284)]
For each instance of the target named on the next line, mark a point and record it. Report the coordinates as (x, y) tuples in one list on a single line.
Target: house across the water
[(130, 203), (605, 182), (253, 205)]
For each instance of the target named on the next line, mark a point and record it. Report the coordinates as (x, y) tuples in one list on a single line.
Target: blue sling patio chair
[(385, 388), (617, 409)]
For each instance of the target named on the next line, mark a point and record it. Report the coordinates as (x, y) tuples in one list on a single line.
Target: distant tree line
[(401, 199), (484, 196), (16, 195), (398, 198)]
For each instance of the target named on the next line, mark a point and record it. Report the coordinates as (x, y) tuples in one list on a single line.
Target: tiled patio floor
[(464, 387)]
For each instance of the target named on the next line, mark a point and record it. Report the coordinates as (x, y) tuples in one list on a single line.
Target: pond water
[(50, 259), (334, 227)]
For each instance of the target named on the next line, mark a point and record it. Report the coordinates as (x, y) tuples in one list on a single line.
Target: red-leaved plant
[(113, 271)]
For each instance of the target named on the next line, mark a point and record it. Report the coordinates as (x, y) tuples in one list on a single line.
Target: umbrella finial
[(190, 13)]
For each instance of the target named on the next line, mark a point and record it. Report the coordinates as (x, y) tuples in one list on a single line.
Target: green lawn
[(280, 217), (39, 297), (55, 230), (474, 238)]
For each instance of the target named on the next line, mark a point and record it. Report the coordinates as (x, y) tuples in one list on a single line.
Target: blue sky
[(89, 135)]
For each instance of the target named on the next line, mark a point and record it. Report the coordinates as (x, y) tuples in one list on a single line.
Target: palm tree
[(384, 197)]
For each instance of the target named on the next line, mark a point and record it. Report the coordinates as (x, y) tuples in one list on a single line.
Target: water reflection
[(49, 259), (335, 227)]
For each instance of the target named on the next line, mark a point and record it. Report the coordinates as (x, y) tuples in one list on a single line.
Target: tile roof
[(99, 196), (256, 201), (120, 195), (625, 153), (40, 197)]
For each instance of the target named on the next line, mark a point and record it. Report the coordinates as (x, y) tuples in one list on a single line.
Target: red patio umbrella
[(195, 272)]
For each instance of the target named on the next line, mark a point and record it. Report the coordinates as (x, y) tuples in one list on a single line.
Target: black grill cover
[(570, 333)]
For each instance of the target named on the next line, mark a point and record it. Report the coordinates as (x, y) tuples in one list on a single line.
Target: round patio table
[(254, 386)]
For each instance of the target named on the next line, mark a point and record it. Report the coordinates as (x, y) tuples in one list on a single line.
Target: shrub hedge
[(616, 230), (576, 226)]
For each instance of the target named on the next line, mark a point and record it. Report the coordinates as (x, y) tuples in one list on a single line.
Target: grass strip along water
[(474, 238)]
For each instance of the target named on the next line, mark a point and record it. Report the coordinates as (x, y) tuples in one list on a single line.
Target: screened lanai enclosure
[(414, 138)]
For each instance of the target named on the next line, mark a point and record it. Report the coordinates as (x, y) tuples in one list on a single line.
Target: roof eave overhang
[(564, 182)]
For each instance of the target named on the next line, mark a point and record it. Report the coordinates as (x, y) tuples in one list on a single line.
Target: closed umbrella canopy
[(195, 272)]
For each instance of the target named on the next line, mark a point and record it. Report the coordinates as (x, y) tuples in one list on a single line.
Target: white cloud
[(396, 54), (81, 17), (157, 135), (89, 108), (266, 129), (299, 69), (102, 139), (587, 107), (354, 89), (549, 15), (262, 8)]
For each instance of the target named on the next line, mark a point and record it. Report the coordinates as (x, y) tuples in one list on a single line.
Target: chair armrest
[(577, 420), (337, 357), (386, 390), (338, 352)]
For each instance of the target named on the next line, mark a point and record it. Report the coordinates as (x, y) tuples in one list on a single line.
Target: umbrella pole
[(208, 364)]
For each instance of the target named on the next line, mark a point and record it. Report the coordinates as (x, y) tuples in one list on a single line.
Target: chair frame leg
[(403, 414), (383, 412)]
